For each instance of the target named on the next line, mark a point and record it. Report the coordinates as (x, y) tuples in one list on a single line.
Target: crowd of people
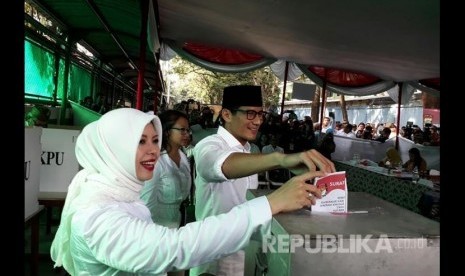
[(429, 136)]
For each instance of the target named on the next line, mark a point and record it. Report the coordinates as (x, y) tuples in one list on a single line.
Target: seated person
[(392, 159), (101, 106), (415, 162), (384, 135), (38, 116), (88, 102)]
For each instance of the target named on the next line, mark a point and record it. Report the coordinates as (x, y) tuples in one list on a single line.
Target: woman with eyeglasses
[(171, 181)]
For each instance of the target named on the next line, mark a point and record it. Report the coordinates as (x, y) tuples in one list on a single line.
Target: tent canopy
[(392, 40), (388, 41)]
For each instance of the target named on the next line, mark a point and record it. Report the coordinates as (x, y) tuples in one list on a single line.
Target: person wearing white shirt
[(171, 182), (254, 148), (326, 124), (347, 131), (273, 146), (226, 169)]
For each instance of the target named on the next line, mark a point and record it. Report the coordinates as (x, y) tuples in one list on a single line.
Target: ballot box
[(375, 237), (58, 160), (32, 151)]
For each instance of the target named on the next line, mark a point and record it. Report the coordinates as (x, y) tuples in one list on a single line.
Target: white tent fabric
[(279, 68), (166, 53), (423, 88), (394, 40), (376, 151), (224, 68), (407, 92), (376, 88), (170, 49)]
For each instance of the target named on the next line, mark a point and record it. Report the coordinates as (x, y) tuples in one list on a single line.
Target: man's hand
[(299, 163)]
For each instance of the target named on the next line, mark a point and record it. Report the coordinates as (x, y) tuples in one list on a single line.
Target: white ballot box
[(59, 163), (32, 151)]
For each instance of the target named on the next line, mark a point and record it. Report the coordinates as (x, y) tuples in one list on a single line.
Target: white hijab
[(106, 149)]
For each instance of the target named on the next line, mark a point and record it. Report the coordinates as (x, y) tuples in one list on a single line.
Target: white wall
[(372, 114), (376, 151)]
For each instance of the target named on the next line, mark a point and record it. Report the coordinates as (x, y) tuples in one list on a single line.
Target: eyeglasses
[(251, 114), (183, 130)]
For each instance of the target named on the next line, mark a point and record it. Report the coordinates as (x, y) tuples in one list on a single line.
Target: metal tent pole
[(284, 88)]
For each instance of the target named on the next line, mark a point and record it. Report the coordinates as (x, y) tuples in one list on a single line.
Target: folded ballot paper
[(334, 196)]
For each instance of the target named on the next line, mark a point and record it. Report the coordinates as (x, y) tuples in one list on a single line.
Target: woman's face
[(147, 154), (179, 134)]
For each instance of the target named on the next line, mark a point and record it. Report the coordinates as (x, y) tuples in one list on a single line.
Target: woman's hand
[(295, 193)]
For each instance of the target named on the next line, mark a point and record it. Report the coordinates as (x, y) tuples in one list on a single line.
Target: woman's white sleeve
[(131, 244)]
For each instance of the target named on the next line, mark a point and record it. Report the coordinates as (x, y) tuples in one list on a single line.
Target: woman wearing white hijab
[(105, 229)]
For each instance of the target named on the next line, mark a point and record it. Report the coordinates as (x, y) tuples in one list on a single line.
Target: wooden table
[(33, 222), (51, 200)]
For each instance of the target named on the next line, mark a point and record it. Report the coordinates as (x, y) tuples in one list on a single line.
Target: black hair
[(168, 119), (416, 156)]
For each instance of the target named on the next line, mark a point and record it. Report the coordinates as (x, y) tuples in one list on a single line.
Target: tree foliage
[(205, 86)]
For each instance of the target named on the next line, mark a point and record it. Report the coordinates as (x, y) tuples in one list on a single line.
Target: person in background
[(273, 146), (415, 162), (326, 124), (378, 131), (105, 229), (254, 148), (150, 109), (88, 102), (120, 103), (347, 131), (384, 135), (38, 116), (309, 138), (417, 135), (171, 182), (327, 146), (434, 136), (367, 133), (226, 169), (360, 130), (100, 105), (189, 148), (392, 159), (170, 185), (204, 127)]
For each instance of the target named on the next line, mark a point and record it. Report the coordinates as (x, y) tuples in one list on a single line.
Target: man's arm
[(238, 165)]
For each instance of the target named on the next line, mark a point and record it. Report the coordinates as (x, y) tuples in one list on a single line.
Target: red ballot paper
[(333, 193)]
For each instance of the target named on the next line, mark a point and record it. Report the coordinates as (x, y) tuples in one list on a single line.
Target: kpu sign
[(59, 163)]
